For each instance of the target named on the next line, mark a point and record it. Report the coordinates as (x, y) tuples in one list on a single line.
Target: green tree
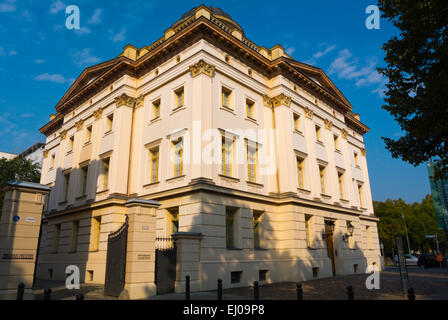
[(417, 73), (19, 169)]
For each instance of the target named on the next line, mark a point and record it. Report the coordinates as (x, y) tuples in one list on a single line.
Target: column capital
[(328, 124), (97, 114), (125, 100), (202, 67), (63, 135), (309, 113), (344, 133), (79, 125)]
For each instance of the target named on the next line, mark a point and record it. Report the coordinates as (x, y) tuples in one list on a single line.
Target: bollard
[(411, 294), (350, 293), (20, 291), (219, 289), (187, 288), (299, 291), (47, 294), (80, 296), (256, 291)]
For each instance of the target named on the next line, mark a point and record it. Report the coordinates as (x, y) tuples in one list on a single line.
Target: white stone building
[(259, 153)]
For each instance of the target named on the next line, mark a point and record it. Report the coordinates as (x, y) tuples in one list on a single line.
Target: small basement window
[(235, 276), (263, 275), (316, 272)]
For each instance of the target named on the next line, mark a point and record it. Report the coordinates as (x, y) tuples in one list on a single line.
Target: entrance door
[(165, 271), (329, 227)]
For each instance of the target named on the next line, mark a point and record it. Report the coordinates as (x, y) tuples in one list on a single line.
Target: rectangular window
[(109, 122), (179, 97), (52, 161), (235, 277), (301, 172), (336, 142), (56, 237), (318, 133), (250, 105), (88, 134), (178, 161), (174, 220), (361, 204), (154, 153), (84, 173), (262, 275), (71, 142), (251, 163), (296, 122), (257, 229), (75, 231), (322, 179), (309, 232), (356, 159), (96, 231), (226, 97), (230, 228), (341, 184), (156, 108), (106, 165), (227, 146), (66, 185)]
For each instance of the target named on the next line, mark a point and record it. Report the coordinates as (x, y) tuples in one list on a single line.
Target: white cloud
[(8, 6), (12, 53), (290, 50), (27, 115), (84, 58), (56, 78), (320, 54), (57, 6), (96, 17), (39, 61), (83, 30), (119, 37)]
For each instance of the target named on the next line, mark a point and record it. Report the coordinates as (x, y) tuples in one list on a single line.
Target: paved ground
[(427, 283)]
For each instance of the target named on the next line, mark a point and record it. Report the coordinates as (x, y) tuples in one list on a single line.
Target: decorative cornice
[(63, 135), (281, 100), (125, 100), (308, 113), (328, 124), (97, 114), (363, 152), (79, 125), (202, 67), (344, 133)]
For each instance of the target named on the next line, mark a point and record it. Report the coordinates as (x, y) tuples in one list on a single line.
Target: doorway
[(329, 229)]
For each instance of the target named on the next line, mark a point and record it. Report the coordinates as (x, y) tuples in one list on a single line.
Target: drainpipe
[(131, 143)]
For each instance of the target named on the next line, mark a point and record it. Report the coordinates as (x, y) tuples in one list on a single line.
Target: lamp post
[(350, 230)]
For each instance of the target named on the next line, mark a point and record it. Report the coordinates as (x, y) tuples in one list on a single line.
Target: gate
[(165, 271), (116, 261)]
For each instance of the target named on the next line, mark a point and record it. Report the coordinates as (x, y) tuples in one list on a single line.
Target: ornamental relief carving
[(97, 114), (79, 125), (328, 124), (46, 152), (309, 113), (344, 134), (125, 100), (281, 100), (202, 67), (363, 152), (63, 135), (139, 101)]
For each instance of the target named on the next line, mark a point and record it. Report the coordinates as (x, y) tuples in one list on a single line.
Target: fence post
[(256, 291), (411, 294), (80, 296), (47, 294), (20, 291), (350, 293), (187, 288), (299, 291), (219, 289)]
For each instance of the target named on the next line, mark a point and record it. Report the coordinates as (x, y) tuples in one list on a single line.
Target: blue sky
[(40, 58)]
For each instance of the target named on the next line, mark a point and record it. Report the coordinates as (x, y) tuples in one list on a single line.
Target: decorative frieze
[(202, 67), (79, 125), (344, 133), (328, 124), (97, 114)]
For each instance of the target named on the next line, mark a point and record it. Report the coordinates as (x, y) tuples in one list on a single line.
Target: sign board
[(402, 266), (439, 192)]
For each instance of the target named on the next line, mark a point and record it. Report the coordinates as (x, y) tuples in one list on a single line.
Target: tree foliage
[(19, 169), (420, 221), (417, 73)]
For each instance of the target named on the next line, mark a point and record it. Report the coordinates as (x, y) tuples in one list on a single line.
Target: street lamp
[(329, 228), (349, 233)]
